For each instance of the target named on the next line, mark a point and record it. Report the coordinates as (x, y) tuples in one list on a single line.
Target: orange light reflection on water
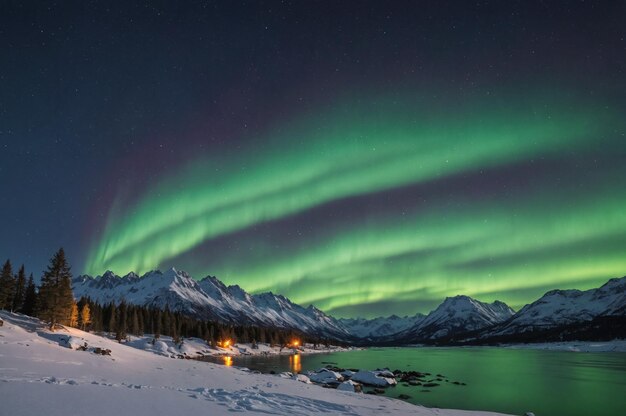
[(294, 363), (228, 361)]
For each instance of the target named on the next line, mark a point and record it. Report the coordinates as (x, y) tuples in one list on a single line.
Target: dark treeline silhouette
[(123, 319), (53, 302)]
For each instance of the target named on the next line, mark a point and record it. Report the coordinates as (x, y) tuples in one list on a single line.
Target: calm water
[(548, 383)]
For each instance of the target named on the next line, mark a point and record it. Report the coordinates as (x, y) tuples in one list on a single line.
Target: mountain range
[(458, 319)]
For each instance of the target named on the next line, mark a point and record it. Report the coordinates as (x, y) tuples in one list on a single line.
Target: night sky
[(366, 157)]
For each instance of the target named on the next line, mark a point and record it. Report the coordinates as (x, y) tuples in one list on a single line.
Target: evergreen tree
[(121, 327), (157, 324), (55, 294), (112, 321), (30, 298), (20, 290), (7, 286), (140, 323), (85, 316), (134, 327)]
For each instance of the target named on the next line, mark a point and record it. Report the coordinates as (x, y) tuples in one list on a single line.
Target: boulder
[(350, 386), (302, 378), (325, 376), (70, 342), (372, 378), (347, 374), (385, 373)]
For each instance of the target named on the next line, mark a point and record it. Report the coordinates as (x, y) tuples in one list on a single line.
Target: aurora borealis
[(382, 171), (369, 160)]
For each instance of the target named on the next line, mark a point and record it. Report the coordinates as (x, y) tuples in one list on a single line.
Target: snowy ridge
[(208, 298), (381, 326), (211, 299), (563, 307), (458, 314)]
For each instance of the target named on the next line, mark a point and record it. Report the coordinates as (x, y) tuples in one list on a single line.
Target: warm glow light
[(295, 364), (228, 361)]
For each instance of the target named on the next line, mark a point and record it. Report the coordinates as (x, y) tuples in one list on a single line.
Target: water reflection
[(228, 361), (295, 364), (503, 380)]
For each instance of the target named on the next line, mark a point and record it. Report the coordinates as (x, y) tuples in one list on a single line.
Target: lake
[(548, 383)]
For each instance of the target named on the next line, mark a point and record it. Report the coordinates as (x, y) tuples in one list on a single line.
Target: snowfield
[(40, 374)]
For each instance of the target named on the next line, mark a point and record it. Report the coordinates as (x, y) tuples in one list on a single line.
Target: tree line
[(123, 319), (53, 302)]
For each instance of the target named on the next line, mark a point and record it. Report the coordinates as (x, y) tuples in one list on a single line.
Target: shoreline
[(614, 346), (44, 372)]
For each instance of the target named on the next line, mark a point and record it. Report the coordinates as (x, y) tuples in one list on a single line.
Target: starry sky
[(367, 157)]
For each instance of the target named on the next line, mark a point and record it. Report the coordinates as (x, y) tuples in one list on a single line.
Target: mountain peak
[(208, 299)]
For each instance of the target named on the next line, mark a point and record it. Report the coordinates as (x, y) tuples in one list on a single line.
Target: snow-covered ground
[(618, 345), (39, 374)]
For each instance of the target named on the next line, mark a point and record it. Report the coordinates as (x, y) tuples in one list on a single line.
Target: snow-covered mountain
[(209, 299), (379, 327), (457, 314), (564, 307)]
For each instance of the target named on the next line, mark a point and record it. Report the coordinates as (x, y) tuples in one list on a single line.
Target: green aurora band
[(552, 233)]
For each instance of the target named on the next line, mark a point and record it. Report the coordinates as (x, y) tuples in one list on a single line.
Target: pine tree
[(30, 298), (157, 324), (121, 327), (85, 316), (112, 320), (7, 286), (55, 294), (134, 328), (20, 289)]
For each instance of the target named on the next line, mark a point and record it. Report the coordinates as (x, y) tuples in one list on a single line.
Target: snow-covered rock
[(325, 376), (71, 342), (373, 378), (350, 386), (302, 378), (347, 373)]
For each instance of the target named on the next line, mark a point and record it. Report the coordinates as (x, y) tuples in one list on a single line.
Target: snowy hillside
[(563, 307), (41, 375), (208, 298), (379, 327), (457, 314)]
